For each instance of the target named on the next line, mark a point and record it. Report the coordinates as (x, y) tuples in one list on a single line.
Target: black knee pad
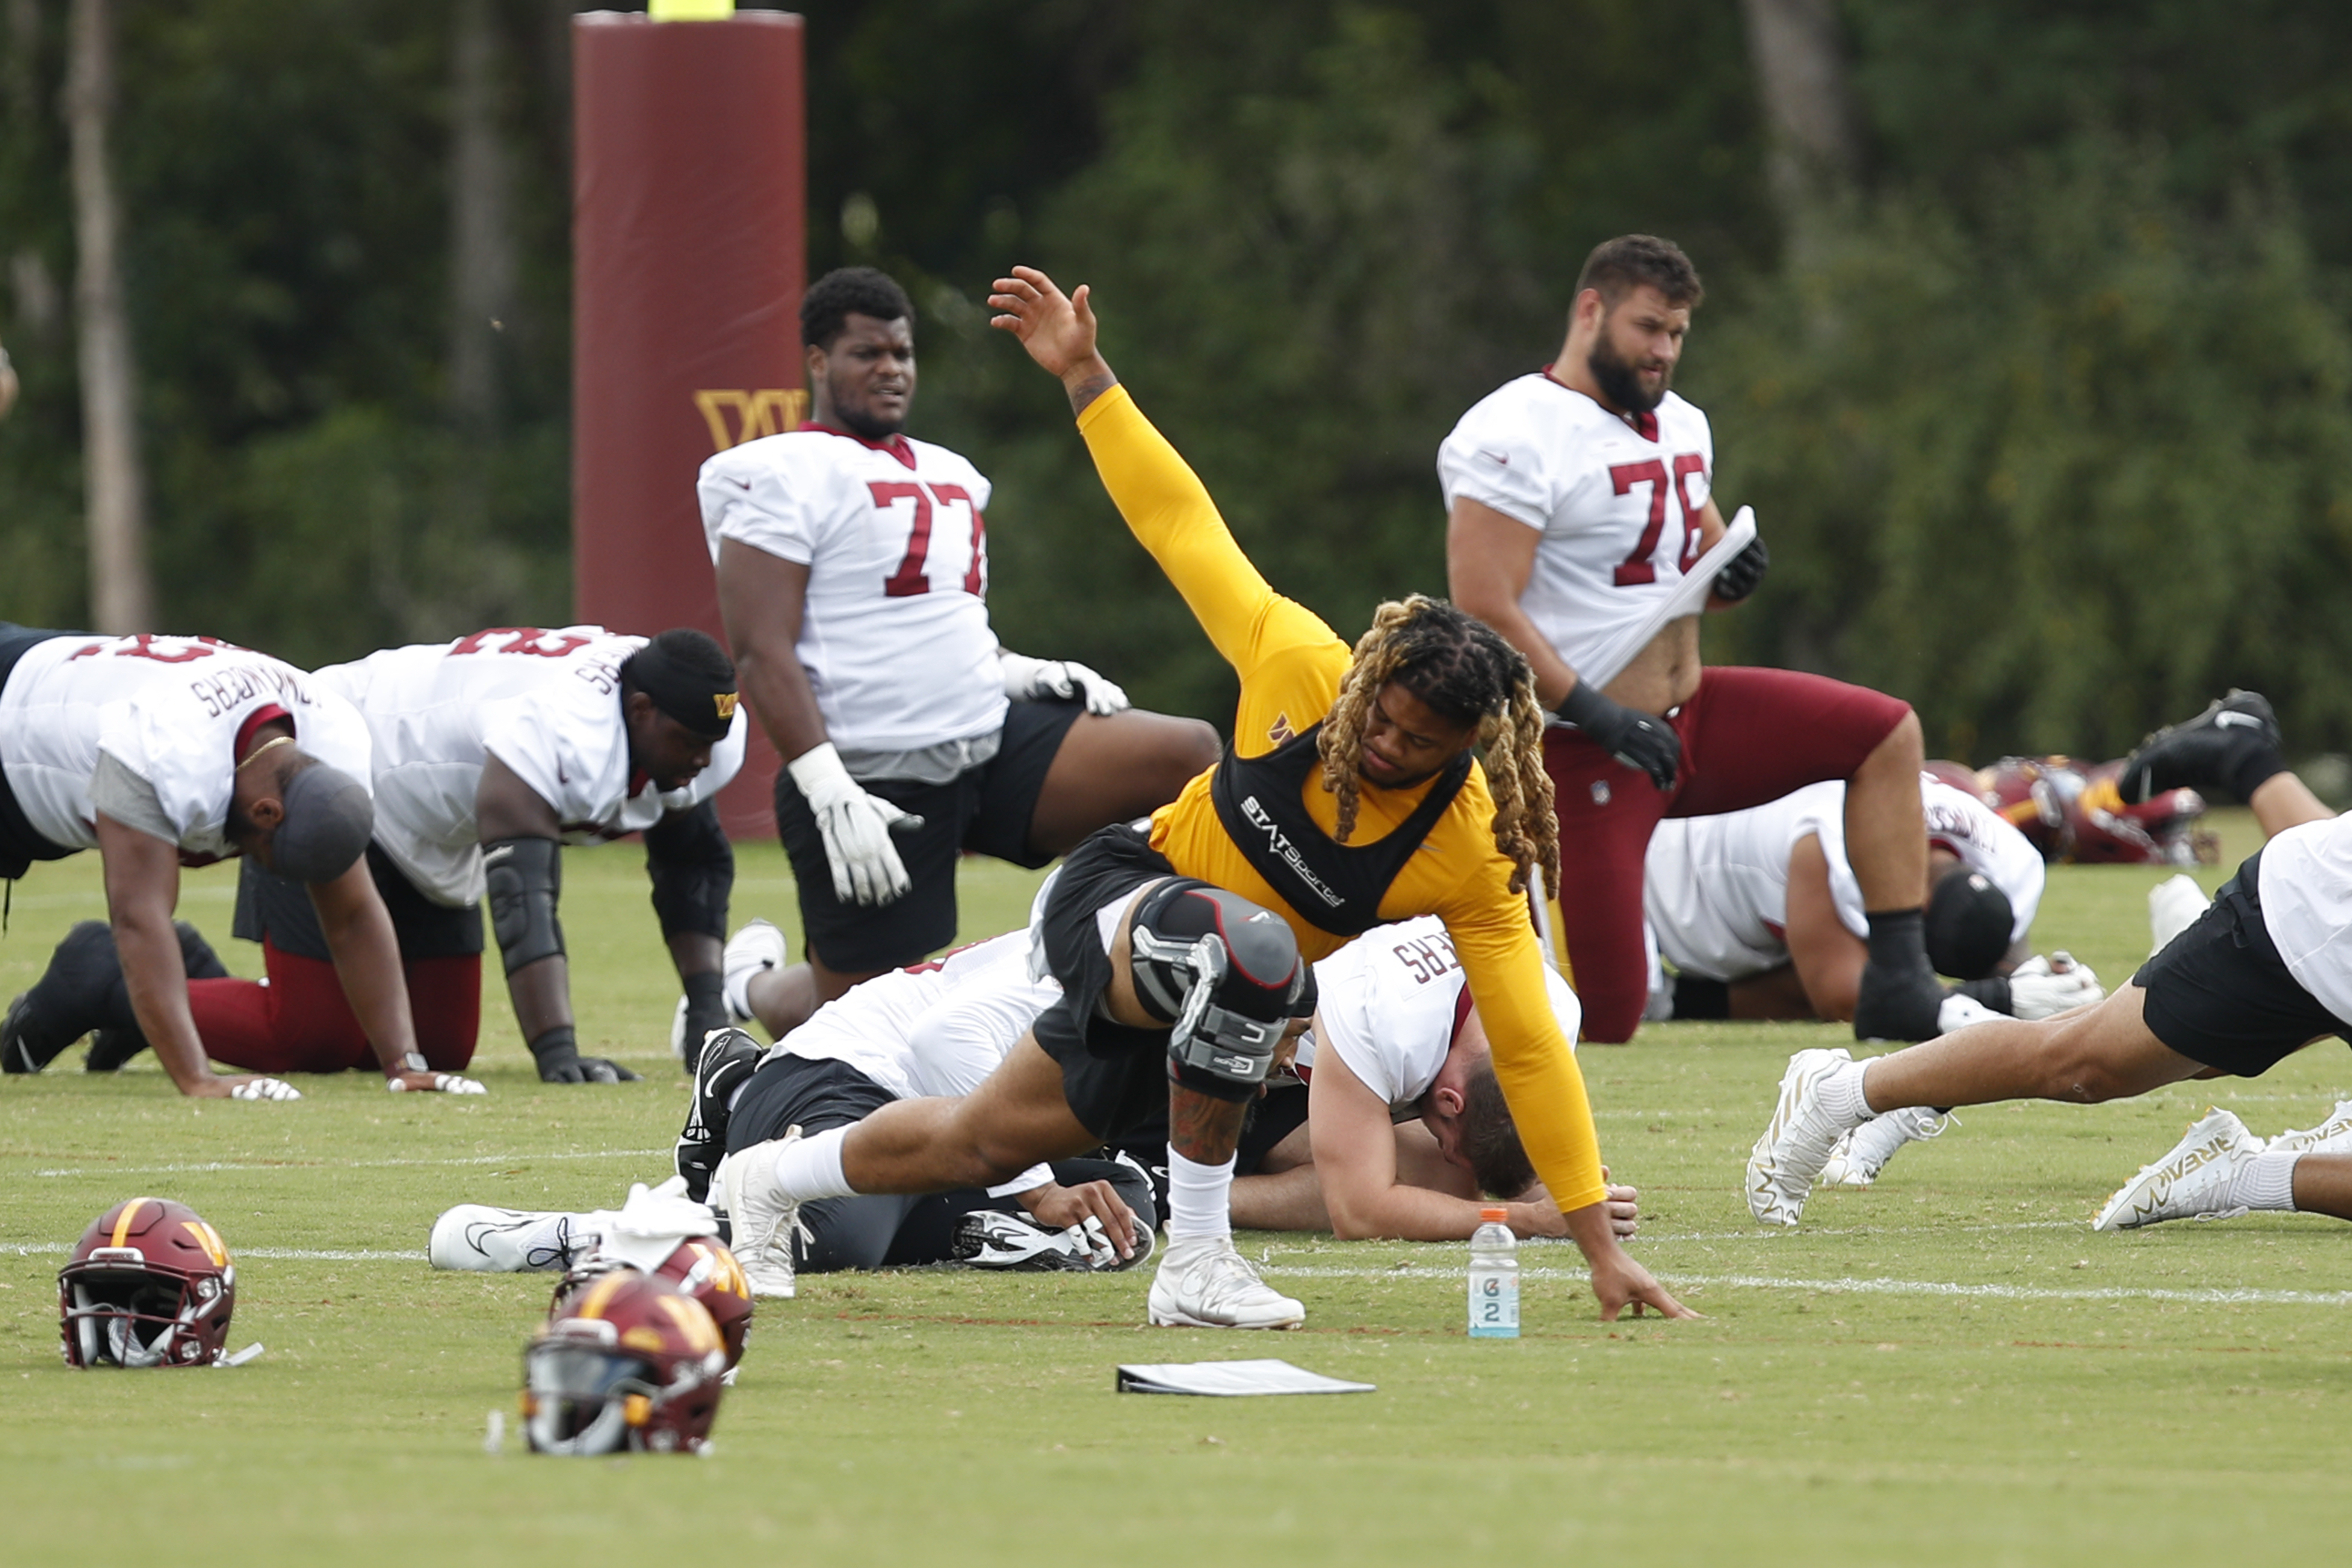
[(1225, 974)]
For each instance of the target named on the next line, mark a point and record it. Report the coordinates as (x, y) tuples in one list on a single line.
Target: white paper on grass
[(1688, 598), (1230, 1379)]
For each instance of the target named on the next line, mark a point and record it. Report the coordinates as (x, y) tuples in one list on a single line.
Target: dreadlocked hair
[(1463, 669)]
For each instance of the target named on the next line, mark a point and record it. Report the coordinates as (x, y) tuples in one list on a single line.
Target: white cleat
[(757, 946), (2191, 1182), (1797, 1142), (2173, 906), (1203, 1283), (760, 1219), (1862, 1153), (480, 1239), (2332, 1136)]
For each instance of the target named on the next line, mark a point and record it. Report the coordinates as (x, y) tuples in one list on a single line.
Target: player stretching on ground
[(160, 751), (853, 570), (491, 753), (1579, 503), (2263, 971), (1350, 797)]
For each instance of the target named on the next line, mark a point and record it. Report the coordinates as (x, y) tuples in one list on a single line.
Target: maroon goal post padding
[(689, 189)]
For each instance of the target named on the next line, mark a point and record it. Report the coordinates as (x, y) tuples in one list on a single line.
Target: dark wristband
[(556, 1046), (1584, 707)]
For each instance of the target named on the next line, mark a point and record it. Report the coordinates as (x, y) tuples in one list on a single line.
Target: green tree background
[(2049, 427)]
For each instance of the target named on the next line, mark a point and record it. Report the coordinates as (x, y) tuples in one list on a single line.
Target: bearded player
[(1183, 953), (491, 753), (164, 751), (853, 570), (1578, 501)]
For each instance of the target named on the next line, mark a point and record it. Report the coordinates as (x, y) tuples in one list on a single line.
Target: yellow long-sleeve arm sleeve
[(1540, 1079), (1169, 511)]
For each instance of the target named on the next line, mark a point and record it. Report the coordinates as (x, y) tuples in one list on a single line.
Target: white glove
[(1957, 1012), (1026, 679), (857, 827), (443, 1083), (265, 1088), (2044, 987)]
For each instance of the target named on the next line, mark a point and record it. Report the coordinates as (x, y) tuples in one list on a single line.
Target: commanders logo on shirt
[(1279, 732)]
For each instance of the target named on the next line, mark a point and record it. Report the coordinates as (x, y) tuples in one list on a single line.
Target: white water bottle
[(1493, 1277)]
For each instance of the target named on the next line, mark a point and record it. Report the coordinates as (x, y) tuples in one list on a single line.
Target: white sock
[(737, 990), (2267, 1182), (1842, 1095), (1200, 1197), (810, 1168)]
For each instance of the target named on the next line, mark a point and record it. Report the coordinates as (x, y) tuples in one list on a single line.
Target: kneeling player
[(491, 753), (2263, 971), (160, 751)]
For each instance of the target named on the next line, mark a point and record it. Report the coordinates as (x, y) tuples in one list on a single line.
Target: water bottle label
[(1494, 1306)]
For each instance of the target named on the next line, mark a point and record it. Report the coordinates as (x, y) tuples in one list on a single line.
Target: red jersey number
[(910, 578), (532, 640), (1637, 568)]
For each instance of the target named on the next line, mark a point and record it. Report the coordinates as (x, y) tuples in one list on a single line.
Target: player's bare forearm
[(143, 887), (1058, 330), (359, 935), (1489, 557), (1286, 1200), (761, 598), (542, 993)]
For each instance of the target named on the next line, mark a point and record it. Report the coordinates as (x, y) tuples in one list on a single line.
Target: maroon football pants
[(302, 1021), (1749, 736)]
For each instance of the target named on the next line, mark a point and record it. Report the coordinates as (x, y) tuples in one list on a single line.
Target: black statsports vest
[(1332, 886)]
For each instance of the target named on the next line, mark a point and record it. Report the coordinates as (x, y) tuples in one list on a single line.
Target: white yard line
[(1850, 1285), (293, 1254), (344, 1164)]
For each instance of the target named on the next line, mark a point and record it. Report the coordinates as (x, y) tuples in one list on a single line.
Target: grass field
[(1950, 1368)]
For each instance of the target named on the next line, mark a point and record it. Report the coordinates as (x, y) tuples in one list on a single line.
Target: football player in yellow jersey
[(1183, 954)]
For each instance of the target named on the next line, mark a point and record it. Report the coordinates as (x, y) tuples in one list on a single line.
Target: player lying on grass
[(853, 577), (489, 754), (934, 1029), (160, 751), (1180, 951), (2262, 973), (1581, 516)]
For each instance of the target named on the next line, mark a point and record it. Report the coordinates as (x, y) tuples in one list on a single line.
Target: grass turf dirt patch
[(1949, 1368)]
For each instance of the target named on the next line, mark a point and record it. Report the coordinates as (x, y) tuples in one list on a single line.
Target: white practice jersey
[(2305, 887), (171, 709), (934, 1028), (545, 703), (895, 636), (1618, 506), (1715, 889), (1391, 1003)]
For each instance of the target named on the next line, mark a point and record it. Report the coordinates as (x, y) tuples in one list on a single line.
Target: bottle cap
[(1495, 1211)]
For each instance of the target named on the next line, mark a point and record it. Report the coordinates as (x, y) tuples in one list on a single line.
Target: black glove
[(705, 1009), (1636, 739), (1742, 573), (560, 1061)]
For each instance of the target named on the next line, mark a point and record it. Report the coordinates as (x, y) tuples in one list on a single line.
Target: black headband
[(686, 695)]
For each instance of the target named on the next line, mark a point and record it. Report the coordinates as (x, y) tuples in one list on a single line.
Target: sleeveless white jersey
[(934, 1028), (1618, 506), (545, 703), (1391, 1001), (168, 709), (1715, 889), (2305, 885), (894, 637)]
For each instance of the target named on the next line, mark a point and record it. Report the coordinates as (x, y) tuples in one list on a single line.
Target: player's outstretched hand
[(584, 1070), (1027, 679), (1061, 1207), (1618, 1282), (432, 1083), (1058, 329), (856, 828), (242, 1086)]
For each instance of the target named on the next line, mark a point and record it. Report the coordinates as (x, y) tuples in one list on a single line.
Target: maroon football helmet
[(701, 1267), (628, 1363), (149, 1284), (2072, 812)]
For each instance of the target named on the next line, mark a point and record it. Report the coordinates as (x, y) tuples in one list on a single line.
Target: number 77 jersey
[(895, 634), (1616, 498)]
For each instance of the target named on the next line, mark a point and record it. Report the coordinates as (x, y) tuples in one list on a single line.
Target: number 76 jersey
[(894, 635), (1616, 498)]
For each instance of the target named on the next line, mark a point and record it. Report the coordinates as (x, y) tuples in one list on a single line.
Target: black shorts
[(278, 909), (20, 846), (881, 1230), (2221, 994), (985, 810), (1114, 1076)]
